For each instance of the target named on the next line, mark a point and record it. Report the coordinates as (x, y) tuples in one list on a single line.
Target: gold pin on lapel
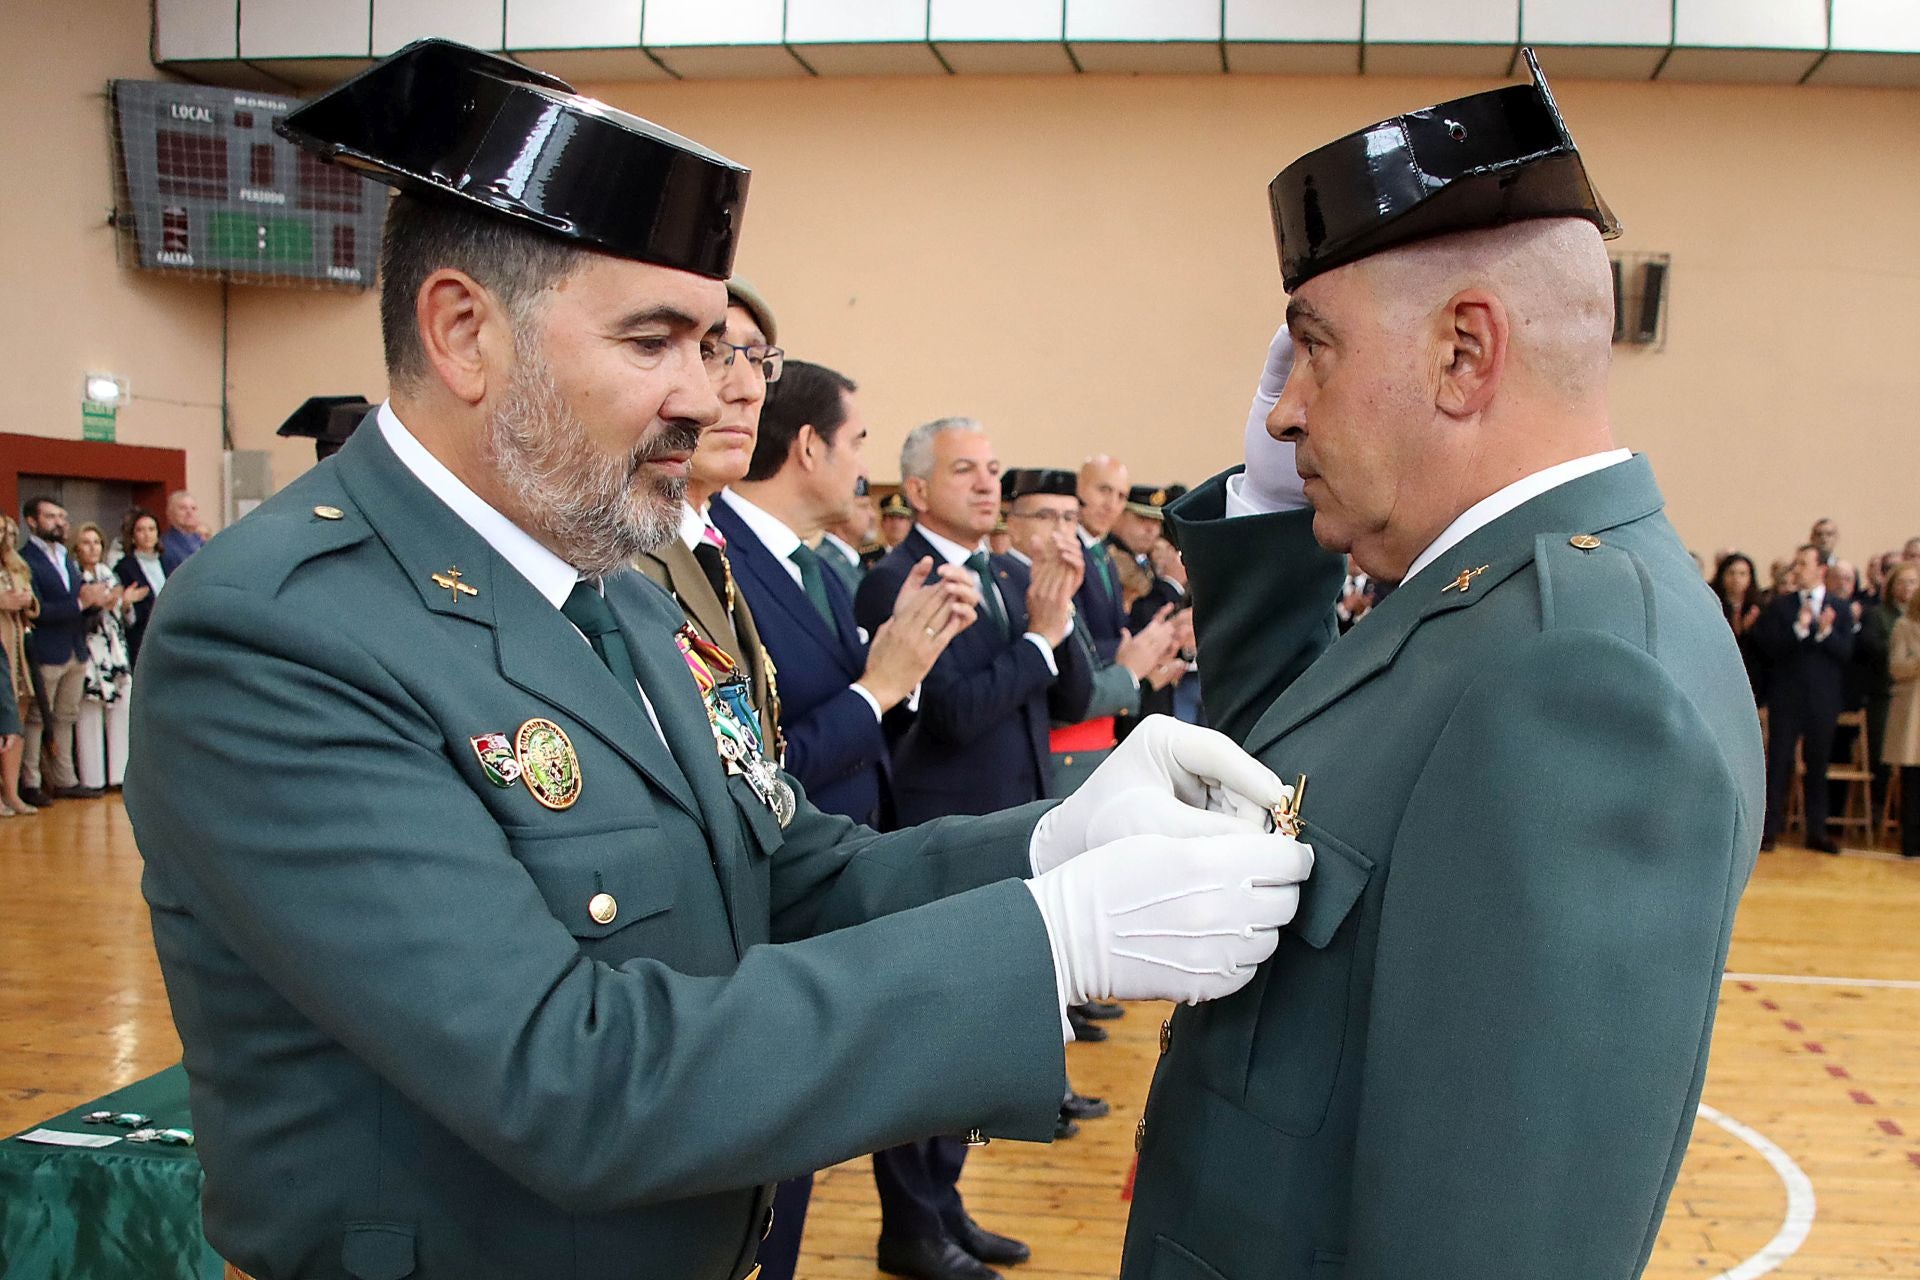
[(1464, 581), (450, 581), (1286, 814)]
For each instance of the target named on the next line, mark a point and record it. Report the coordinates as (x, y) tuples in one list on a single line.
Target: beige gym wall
[(70, 308), (1086, 263)]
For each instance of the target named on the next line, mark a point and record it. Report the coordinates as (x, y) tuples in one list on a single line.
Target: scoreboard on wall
[(207, 187)]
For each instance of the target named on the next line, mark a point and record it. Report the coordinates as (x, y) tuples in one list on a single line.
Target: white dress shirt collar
[(951, 551), (55, 552), (693, 525), (1521, 491), (551, 576)]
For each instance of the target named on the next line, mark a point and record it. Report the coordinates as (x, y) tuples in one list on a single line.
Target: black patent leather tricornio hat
[(1475, 162), (442, 121), (1018, 482)]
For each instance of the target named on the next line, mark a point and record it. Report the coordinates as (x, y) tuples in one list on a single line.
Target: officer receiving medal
[(496, 946)]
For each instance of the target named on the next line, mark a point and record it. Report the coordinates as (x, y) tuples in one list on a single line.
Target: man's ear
[(1472, 354), (915, 487), (461, 325), (805, 446)]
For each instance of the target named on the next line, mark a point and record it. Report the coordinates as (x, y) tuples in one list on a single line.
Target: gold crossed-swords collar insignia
[(1465, 581), (450, 581)]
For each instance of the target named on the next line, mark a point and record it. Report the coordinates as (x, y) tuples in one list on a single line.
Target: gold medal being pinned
[(727, 694)]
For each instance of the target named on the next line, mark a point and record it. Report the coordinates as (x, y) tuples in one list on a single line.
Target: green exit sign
[(96, 420)]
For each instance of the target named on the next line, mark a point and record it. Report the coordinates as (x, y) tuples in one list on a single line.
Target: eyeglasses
[(769, 360), (1048, 516)]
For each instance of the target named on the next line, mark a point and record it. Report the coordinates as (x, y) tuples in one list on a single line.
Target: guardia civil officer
[(496, 946), (1534, 774)]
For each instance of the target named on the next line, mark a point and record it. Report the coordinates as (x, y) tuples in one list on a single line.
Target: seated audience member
[(1808, 643), (1739, 596), (100, 729), (977, 744), (185, 534), (18, 608), (1902, 749), (147, 565), (57, 647)]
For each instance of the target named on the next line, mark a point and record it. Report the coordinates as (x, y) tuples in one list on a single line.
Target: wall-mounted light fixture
[(104, 388)]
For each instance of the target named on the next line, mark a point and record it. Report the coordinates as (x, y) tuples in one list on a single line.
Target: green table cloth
[(130, 1211)]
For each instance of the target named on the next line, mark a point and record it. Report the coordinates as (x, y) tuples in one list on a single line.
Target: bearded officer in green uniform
[(1534, 771), (495, 948)]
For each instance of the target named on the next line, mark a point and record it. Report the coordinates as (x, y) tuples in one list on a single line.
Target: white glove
[(1270, 482), (1163, 918), (1168, 778)]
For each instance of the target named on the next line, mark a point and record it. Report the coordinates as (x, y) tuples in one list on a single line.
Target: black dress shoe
[(985, 1245), (77, 793), (36, 797), (1766, 845), (1064, 1128), (1102, 1010), (1078, 1106), (936, 1258), (1822, 845), (1091, 1033)]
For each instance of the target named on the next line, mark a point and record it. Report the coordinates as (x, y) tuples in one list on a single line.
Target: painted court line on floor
[(1809, 980), (1800, 1200)]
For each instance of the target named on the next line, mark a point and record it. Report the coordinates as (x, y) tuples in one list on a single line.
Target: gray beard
[(598, 512)]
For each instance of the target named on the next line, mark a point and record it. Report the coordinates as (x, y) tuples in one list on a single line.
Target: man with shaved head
[(1536, 780)]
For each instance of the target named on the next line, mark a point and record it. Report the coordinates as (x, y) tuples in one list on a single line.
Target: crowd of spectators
[(73, 607), (1821, 639)]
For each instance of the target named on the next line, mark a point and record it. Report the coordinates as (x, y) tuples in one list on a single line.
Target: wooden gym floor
[(1813, 1172)]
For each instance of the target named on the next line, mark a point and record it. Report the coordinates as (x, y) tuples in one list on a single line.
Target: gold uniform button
[(329, 513), (602, 908), (1166, 1034), (1583, 541)]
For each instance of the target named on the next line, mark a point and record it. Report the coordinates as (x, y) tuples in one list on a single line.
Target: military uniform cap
[(740, 292), (1152, 501), (1018, 482), (442, 121), (1464, 165), (327, 418), (896, 504)]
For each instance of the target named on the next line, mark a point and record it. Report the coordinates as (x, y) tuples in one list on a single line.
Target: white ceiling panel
[(1143, 19), (731, 62), (712, 23), (594, 66), (1739, 66), (1143, 58), (855, 21), (303, 29), (1585, 62), (998, 21), (882, 58), (1309, 21), (1582, 22), (1482, 60), (186, 29), (1876, 26), (1869, 70), (1254, 58), (480, 23), (1751, 24), (573, 24), (1456, 22), (1008, 58)]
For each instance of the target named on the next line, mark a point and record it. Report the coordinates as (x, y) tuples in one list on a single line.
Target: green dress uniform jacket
[(1535, 790), (436, 1029)]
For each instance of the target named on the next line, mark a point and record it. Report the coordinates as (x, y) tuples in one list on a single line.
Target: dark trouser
[(919, 1186), (780, 1251), (1910, 810), (1786, 725)]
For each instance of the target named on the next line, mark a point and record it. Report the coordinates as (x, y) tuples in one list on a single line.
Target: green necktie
[(989, 597), (1103, 565), (813, 583), (587, 609)]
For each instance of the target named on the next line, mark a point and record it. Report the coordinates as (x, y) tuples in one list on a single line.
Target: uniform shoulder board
[(1587, 584)]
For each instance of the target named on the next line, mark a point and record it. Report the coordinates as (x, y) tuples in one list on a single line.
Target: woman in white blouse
[(100, 730), (146, 564)]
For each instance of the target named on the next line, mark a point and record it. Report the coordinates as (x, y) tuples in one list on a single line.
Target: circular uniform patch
[(548, 764)]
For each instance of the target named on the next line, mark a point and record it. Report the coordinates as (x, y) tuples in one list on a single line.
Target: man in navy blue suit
[(1808, 640), (835, 687), (977, 743), (57, 648)]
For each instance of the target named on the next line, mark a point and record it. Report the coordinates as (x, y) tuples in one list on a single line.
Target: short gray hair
[(916, 452)]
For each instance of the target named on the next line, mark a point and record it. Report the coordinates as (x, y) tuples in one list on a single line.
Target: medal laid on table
[(728, 696)]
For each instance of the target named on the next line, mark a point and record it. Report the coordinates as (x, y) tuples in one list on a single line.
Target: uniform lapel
[(1591, 504), (695, 593), (537, 649)]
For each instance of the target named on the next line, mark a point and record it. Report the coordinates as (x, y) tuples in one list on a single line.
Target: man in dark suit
[(977, 743), (57, 650), (1808, 640)]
